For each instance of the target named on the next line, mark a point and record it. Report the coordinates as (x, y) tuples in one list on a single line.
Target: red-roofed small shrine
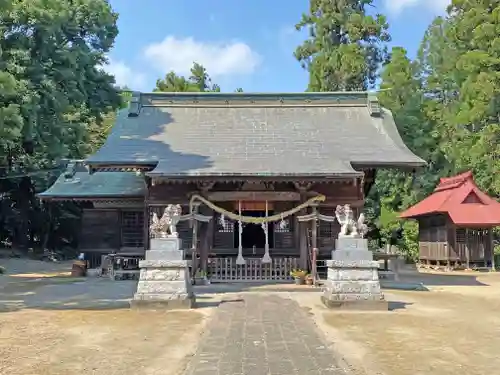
[(455, 223)]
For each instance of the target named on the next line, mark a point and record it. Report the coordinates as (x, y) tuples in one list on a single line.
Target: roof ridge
[(453, 182), (256, 100), (255, 93)]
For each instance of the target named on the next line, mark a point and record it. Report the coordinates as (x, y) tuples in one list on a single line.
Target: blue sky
[(246, 44)]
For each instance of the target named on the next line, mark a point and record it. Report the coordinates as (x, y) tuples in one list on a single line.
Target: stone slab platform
[(255, 334), (363, 304), (158, 304)]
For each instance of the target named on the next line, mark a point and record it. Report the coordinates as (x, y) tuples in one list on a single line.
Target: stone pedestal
[(352, 281), (164, 280)]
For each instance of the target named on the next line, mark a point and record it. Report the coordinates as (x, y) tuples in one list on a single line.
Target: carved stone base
[(352, 280), (350, 248), (367, 305), (164, 280), (157, 304), (353, 284)]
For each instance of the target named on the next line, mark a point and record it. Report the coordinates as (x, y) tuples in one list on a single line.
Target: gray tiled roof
[(200, 134), (81, 184)]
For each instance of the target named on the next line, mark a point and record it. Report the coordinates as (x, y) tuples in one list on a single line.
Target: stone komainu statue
[(348, 226), (166, 225)]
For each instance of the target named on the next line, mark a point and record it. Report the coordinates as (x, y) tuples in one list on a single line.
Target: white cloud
[(124, 75), (397, 6), (286, 38), (220, 59)]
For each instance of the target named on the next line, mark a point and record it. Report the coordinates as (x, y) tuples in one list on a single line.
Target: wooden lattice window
[(327, 231), (461, 235), (132, 229)]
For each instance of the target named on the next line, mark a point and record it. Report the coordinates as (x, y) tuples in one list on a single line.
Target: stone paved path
[(262, 335)]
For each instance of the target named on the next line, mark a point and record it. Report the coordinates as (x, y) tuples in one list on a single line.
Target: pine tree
[(198, 81), (346, 45)]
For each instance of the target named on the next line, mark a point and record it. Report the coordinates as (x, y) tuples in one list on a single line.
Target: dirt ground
[(39, 342), (452, 329), (70, 338)]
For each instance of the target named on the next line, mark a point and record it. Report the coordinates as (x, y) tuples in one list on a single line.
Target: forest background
[(58, 104)]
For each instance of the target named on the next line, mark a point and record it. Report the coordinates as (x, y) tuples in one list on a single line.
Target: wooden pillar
[(240, 260), (266, 258), (302, 235), (483, 240), (194, 243), (296, 232), (467, 250), (314, 229), (206, 236), (492, 248), (314, 241), (120, 227), (147, 217)]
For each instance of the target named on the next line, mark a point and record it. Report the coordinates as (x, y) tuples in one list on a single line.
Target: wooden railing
[(226, 269), (222, 252)]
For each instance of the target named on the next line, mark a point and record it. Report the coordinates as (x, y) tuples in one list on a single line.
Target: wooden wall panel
[(132, 228), (170, 194), (100, 229)]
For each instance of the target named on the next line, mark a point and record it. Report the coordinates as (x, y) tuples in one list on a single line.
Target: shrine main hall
[(264, 172)]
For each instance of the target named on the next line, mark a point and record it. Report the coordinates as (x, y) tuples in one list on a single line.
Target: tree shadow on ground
[(104, 294), (445, 279), (95, 294), (398, 305), (203, 302)]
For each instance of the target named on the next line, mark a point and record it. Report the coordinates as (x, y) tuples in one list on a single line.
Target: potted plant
[(200, 278), (298, 275), (309, 279)]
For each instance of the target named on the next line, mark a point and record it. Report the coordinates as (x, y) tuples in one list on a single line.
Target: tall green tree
[(52, 92), (346, 45), (98, 131), (402, 92), (458, 62), (474, 28)]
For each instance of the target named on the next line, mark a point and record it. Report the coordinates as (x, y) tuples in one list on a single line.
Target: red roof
[(462, 200)]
